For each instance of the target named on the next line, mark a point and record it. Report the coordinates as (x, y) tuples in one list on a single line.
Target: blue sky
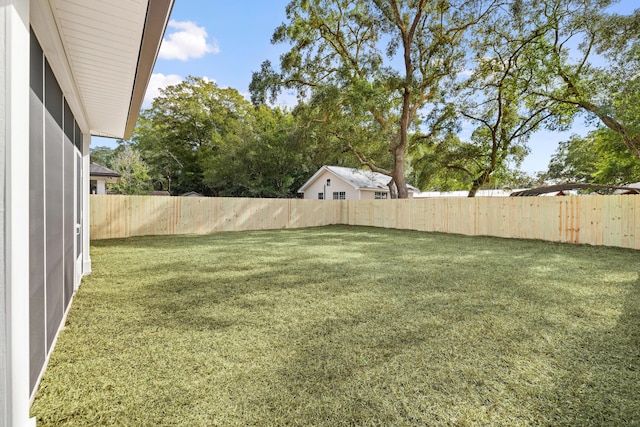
[(226, 41)]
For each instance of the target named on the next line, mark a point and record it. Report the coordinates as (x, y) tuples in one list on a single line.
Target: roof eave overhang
[(313, 178), (158, 12), (106, 175), (107, 179), (102, 54)]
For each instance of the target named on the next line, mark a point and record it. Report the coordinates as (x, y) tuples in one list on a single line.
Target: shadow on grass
[(358, 326), (468, 367), (600, 383), (369, 352)]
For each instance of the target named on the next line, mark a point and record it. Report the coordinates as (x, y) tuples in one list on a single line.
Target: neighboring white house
[(99, 177), (340, 183), (69, 69)]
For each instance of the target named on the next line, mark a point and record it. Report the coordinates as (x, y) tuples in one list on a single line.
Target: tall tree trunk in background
[(479, 182), (399, 179), (393, 190), (366, 62)]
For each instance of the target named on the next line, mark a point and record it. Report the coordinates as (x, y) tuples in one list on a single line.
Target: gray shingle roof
[(98, 170), (358, 178)]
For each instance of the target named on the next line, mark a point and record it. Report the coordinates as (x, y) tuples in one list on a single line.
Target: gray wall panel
[(69, 122), (37, 337), (53, 95), (77, 137), (69, 213), (36, 78), (54, 205), (37, 340), (54, 226)]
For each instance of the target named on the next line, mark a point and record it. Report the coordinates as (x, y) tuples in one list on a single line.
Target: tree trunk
[(632, 143), (398, 173), (479, 181), (393, 190), (474, 189)]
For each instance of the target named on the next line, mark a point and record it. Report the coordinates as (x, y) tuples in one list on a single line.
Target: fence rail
[(596, 220)]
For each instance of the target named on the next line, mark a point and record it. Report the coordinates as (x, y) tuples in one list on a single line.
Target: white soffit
[(102, 45)]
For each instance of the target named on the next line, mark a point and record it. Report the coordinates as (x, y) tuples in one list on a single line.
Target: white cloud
[(159, 81), (188, 41), (465, 73), (287, 99)]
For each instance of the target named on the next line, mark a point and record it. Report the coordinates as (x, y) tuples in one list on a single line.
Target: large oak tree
[(499, 98), (373, 70)]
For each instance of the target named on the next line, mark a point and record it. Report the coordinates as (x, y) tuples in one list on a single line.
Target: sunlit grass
[(348, 326)]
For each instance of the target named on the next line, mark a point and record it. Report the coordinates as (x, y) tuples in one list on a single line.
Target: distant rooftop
[(576, 186), (362, 178), (99, 170)]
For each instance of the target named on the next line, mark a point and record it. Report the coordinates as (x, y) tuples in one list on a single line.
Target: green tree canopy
[(600, 157), (372, 70), (186, 128), (499, 98), (600, 76), (134, 176), (102, 155), (271, 162), (197, 136)]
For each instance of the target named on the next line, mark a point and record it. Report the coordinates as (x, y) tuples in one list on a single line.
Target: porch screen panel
[(37, 337), (54, 196), (69, 206)]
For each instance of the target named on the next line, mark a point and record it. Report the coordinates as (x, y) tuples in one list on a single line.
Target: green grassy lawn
[(348, 326)]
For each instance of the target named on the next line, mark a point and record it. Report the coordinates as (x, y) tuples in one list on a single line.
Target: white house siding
[(356, 184), (48, 99), (14, 220), (5, 385), (337, 185), (366, 194)]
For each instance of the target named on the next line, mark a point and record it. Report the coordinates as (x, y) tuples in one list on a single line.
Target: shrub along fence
[(596, 220)]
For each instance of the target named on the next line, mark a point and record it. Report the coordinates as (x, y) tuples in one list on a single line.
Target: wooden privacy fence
[(126, 216), (596, 220)]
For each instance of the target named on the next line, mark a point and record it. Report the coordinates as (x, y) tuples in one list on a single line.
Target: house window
[(381, 195), (320, 196), (339, 195), (328, 183)]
